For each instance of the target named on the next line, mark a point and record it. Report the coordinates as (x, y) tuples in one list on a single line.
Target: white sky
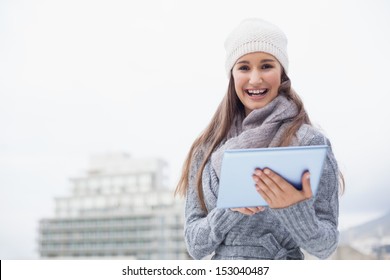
[(79, 77)]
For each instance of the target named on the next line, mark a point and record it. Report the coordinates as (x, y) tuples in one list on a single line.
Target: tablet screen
[(236, 186)]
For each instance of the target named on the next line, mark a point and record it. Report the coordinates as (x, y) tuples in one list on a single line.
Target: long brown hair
[(220, 125)]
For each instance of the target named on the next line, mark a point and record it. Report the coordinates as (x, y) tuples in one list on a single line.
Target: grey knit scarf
[(262, 128)]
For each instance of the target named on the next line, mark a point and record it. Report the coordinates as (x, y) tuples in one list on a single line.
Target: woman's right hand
[(249, 210)]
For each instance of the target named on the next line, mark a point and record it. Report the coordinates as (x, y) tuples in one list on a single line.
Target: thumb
[(306, 188)]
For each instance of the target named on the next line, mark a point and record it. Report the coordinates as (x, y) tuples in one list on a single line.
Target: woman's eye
[(266, 66), (244, 67)]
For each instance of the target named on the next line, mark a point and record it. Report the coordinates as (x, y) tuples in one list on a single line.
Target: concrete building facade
[(121, 208)]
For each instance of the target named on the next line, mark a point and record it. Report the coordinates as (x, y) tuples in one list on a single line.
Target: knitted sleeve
[(313, 222), (204, 232)]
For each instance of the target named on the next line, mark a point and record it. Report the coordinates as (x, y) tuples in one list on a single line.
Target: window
[(118, 182), (145, 180), (130, 181)]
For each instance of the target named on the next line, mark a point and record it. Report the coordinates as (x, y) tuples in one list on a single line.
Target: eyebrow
[(262, 61)]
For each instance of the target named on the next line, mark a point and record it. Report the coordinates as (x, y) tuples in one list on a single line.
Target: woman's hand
[(249, 210), (277, 192)]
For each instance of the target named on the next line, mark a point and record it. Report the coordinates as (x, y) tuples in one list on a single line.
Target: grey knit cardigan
[(273, 233)]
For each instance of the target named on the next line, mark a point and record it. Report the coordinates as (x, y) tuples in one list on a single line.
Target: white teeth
[(256, 91)]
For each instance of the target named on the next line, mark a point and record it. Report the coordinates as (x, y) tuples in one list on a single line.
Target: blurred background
[(101, 100)]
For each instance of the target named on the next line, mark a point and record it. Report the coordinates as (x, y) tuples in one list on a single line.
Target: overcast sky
[(81, 77)]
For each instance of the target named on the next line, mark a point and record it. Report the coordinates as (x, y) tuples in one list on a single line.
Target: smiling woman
[(257, 78), (260, 109)]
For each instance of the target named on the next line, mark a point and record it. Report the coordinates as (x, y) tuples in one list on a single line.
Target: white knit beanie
[(256, 35)]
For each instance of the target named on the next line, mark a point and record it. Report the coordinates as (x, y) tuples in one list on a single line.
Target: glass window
[(100, 202), (130, 180), (152, 200), (112, 201), (166, 198), (106, 182), (79, 183), (118, 181), (145, 180), (77, 190), (126, 200), (93, 183), (138, 200), (74, 203), (85, 203)]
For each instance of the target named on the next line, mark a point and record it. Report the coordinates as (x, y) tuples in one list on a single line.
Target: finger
[(254, 209), (255, 178), (260, 185), (237, 210), (306, 187), (264, 195), (267, 184), (274, 177), (244, 211)]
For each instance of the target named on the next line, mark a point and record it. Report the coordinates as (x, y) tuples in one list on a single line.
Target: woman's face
[(257, 77)]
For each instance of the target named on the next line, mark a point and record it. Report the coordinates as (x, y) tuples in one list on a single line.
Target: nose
[(255, 77)]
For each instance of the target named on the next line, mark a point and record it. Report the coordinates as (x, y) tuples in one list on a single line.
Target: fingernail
[(267, 171)]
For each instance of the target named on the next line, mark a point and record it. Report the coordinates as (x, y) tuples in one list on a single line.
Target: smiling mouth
[(256, 92)]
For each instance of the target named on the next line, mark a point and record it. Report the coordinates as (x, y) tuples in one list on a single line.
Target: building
[(121, 208)]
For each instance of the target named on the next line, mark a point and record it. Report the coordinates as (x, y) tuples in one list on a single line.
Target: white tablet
[(236, 186)]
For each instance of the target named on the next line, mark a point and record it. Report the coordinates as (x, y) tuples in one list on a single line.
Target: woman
[(259, 110)]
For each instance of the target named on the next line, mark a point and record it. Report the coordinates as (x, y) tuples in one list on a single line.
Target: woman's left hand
[(249, 210), (277, 192)]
